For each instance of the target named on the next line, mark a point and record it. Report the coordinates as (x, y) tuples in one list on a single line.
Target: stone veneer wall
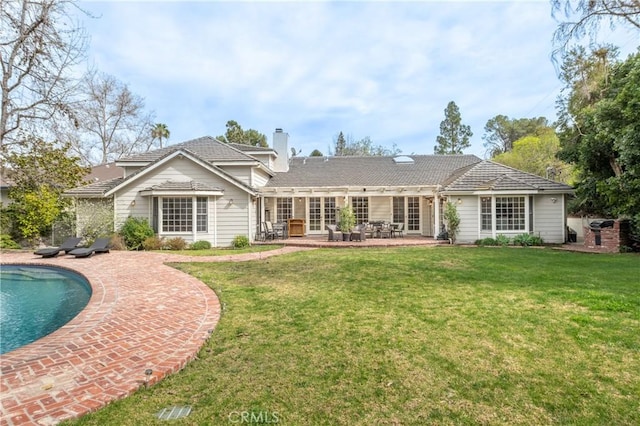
[(611, 239)]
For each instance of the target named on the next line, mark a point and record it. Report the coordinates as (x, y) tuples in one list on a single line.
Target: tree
[(501, 132), (40, 175), (584, 18), (603, 141), (315, 153), (235, 134), (112, 121), (40, 43), (160, 131), (454, 136), (538, 155), (363, 147)]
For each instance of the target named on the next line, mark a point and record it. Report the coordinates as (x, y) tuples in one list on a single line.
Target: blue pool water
[(37, 300)]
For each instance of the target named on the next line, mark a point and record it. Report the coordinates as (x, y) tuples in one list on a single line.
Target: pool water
[(36, 301)]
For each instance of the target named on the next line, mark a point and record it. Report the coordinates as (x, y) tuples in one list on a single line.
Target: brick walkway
[(142, 315)]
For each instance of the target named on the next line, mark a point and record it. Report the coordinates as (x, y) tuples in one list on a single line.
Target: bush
[(153, 243), (527, 240), (177, 243), (240, 241), (200, 245), (6, 242), (502, 240), (135, 231), (117, 243), (487, 242)]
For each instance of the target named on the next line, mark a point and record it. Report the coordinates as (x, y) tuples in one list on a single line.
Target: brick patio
[(142, 315)]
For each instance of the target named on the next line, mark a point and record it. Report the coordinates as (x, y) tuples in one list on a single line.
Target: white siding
[(468, 212), (242, 173), (226, 220), (549, 218)]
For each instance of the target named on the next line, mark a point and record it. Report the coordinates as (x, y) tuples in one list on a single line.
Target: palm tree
[(160, 131)]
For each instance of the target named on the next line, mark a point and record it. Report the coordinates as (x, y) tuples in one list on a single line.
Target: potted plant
[(347, 222)]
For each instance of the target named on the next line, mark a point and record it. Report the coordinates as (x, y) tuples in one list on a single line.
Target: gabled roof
[(206, 147), (104, 172), (94, 190), (188, 186), (425, 170), (490, 176)]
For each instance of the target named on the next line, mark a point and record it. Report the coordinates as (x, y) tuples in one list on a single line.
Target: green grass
[(408, 336), (224, 251)]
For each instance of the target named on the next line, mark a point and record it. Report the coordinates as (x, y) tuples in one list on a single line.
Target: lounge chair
[(100, 245), (359, 233), (397, 229), (68, 245), (334, 234)]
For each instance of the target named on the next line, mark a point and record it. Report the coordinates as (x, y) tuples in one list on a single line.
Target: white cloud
[(381, 69)]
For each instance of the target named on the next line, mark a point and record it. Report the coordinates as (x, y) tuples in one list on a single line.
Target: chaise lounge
[(100, 245), (68, 245)]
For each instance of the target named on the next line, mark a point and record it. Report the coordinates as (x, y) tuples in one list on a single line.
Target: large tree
[(603, 140), (40, 173), (40, 43), (111, 120), (584, 18), (454, 136), (537, 154), (501, 132), (235, 134)]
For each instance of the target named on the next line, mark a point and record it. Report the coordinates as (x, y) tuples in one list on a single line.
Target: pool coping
[(152, 318)]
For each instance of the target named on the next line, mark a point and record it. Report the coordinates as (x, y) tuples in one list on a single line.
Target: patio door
[(322, 212), (407, 210)]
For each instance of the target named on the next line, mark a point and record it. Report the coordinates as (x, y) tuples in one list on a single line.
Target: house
[(204, 189)]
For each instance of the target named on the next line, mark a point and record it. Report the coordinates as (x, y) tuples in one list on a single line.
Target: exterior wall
[(380, 209), (258, 178), (242, 173), (226, 219), (549, 218), (467, 207)]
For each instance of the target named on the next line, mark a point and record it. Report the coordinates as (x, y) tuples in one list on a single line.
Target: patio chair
[(100, 245), (271, 231), (267, 231), (385, 230), (334, 234), (68, 245), (359, 233), (397, 229)]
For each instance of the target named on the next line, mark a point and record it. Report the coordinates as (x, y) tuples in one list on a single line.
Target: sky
[(383, 70)]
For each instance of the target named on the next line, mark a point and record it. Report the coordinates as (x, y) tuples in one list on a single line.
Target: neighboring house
[(204, 189)]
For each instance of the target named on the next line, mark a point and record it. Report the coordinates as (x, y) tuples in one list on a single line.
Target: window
[(285, 210), (398, 209), (510, 214), (177, 214), (485, 214), (413, 213), (361, 209), (330, 210), (315, 217), (203, 214)]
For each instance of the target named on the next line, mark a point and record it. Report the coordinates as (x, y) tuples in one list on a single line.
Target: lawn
[(404, 336)]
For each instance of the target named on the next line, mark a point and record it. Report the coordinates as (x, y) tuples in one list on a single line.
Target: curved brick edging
[(142, 315)]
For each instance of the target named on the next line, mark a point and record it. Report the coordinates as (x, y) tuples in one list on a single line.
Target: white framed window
[(486, 222), (177, 214), (360, 207), (510, 213), (284, 206)]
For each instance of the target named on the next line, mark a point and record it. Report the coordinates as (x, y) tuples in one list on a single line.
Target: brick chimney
[(281, 146)]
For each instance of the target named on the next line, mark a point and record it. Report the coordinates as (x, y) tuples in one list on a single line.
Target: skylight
[(403, 159)]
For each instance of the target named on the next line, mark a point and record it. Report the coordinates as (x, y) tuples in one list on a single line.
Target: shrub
[(487, 242), (176, 243), (135, 231), (240, 241), (6, 242), (153, 243), (453, 220), (527, 240), (200, 245), (117, 243), (502, 240)]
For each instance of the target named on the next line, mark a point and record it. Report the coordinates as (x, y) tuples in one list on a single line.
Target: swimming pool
[(36, 301)]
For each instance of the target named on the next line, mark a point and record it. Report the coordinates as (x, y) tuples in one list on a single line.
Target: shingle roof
[(183, 186), (97, 189), (207, 148), (369, 171), (491, 176)]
